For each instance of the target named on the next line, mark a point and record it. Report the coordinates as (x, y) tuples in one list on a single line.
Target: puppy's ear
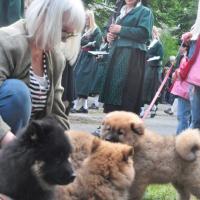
[(95, 145), (137, 128), (127, 152), (39, 129), (34, 131)]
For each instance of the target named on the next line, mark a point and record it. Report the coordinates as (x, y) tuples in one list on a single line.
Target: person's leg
[(195, 108), (95, 104), (174, 106), (142, 110), (75, 106), (183, 114), (15, 104), (96, 100), (83, 104)]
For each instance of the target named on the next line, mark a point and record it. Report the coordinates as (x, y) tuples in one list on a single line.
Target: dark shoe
[(153, 111), (94, 107), (153, 114), (72, 110), (82, 110), (168, 111)]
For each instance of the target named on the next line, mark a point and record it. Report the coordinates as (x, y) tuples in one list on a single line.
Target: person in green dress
[(98, 71), (91, 41), (11, 11), (124, 74), (153, 71)]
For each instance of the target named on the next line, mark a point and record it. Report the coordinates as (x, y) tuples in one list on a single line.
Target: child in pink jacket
[(180, 88)]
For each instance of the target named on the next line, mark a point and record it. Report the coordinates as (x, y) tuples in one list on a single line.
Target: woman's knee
[(16, 93)]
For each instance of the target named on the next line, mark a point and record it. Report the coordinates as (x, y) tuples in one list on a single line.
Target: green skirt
[(123, 80), (97, 76), (83, 74)]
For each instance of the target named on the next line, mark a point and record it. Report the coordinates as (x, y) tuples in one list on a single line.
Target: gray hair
[(45, 19)]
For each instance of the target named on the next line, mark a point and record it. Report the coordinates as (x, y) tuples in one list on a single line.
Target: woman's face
[(131, 2), (67, 29), (155, 34), (67, 32), (87, 21)]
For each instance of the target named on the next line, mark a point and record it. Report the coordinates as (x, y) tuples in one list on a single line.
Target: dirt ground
[(161, 123)]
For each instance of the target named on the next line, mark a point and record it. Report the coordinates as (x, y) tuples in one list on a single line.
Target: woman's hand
[(173, 77), (186, 37), (115, 28), (110, 37), (177, 74), (7, 138)]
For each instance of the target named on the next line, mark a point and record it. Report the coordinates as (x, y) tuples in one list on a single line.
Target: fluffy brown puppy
[(157, 159), (106, 174), (82, 144)]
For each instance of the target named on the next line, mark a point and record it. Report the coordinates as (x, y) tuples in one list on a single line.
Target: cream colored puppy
[(157, 159)]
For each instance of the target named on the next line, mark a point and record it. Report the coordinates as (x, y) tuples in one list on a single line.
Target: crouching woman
[(31, 63)]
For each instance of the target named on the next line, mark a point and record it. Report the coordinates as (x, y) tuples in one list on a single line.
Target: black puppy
[(36, 161)]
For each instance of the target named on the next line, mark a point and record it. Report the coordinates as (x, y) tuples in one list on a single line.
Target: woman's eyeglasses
[(67, 35)]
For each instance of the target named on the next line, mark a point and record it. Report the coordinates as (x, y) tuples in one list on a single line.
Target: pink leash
[(160, 88), (158, 92)]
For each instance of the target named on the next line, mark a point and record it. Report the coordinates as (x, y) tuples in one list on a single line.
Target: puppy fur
[(32, 164), (82, 144), (106, 174), (157, 159)]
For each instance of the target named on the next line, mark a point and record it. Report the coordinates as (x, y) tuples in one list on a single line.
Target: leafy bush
[(161, 192), (170, 45)]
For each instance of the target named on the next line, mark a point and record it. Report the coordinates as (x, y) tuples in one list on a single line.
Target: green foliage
[(180, 14), (102, 12), (161, 192), (170, 45), (176, 17)]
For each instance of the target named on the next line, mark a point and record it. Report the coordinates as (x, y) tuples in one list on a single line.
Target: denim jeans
[(195, 107), (192, 48), (15, 104), (183, 114)]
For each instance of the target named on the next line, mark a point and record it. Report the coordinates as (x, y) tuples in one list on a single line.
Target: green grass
[(161, 192)]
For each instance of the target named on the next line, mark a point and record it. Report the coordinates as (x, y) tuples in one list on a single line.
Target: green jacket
[(15, 57), (136, 28)]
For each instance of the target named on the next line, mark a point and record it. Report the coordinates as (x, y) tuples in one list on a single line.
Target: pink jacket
[(194, 73), (181, 87), (191, 71)]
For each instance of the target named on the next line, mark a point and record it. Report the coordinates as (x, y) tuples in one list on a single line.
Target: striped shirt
[(39, 88)]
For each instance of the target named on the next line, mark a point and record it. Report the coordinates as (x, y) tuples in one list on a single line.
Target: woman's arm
[(141, 32), (186, 37), (58, 107), (8, 137)]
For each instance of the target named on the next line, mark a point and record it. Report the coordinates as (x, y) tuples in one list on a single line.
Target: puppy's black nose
[(113, 137), (72, 177)]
